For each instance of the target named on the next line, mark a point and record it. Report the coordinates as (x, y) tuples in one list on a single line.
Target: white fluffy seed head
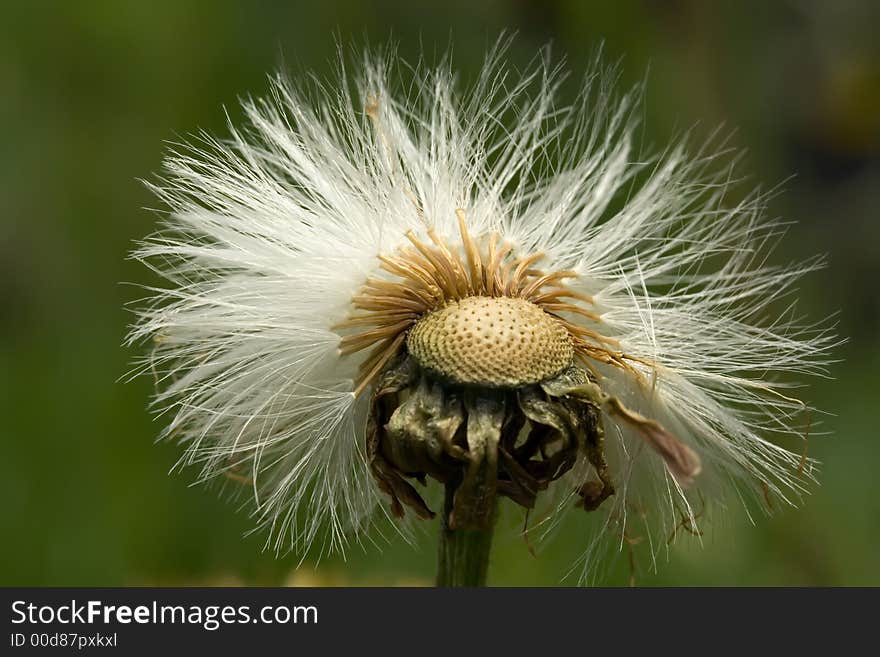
[(272, 231)]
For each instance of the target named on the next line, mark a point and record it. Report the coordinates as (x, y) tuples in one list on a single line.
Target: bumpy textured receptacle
[(507, 423), (496, 342)]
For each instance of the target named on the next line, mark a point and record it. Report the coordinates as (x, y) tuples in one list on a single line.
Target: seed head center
[(499, 342)]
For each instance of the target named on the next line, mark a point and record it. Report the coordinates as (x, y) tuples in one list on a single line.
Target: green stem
[(463, 558)]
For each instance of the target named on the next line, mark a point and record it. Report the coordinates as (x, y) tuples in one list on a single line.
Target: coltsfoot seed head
[(477, 285), (498, 342)]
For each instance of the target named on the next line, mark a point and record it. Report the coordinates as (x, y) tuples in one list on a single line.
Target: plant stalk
[(463, 557)]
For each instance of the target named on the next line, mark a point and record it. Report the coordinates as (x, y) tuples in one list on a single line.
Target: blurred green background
[(88, 93)]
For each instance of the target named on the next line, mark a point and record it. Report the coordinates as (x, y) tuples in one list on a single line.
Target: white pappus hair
[(270, 232)]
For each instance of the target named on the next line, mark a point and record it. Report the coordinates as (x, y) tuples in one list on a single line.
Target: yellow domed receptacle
[(499, 342)]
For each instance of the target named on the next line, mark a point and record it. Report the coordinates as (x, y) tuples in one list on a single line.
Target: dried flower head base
[(482, 379)]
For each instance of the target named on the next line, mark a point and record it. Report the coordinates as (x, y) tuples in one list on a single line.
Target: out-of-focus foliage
[(88, 93)]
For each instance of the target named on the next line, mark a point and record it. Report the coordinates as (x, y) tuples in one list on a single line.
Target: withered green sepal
[(483, 443)]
